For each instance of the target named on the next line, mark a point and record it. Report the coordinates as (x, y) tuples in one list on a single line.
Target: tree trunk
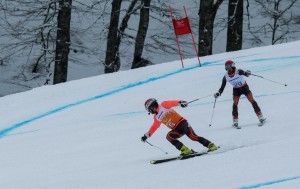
[(235, 25), (62, 41), (138, 61), (111, 65), (131, 10), (207, 14)]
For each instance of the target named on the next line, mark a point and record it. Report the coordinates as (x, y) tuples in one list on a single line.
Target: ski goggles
[(227, 66)]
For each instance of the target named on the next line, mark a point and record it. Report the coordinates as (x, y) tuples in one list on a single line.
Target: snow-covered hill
[(86, 133)]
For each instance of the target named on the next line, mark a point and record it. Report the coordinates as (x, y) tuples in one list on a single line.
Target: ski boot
[(235, 124), (212, 147), (185, 151), (261, 119)]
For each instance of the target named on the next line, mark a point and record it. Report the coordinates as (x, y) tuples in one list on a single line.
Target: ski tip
[(153, 161)]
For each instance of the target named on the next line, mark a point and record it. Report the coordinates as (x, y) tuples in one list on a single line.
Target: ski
[(259, 124), (163, 160), (236, 127), (178, 158), (191, 155), (183, 157)]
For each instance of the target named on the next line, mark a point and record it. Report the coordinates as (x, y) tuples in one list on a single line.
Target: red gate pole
[(193, 39), (177, 41)]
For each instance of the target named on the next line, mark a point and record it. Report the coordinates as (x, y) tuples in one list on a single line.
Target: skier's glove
[(247, 73), (216, 95), (183, 103), (145, 137)]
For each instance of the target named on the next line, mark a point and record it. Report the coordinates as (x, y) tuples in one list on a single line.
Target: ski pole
[(269, 80), (157, 147), (213, 112), (193, 100), (198, 99)]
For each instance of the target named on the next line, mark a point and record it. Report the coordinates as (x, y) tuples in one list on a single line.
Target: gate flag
[(182, 26)]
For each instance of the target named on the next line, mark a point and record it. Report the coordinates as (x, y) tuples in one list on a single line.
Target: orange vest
[(166, 115)]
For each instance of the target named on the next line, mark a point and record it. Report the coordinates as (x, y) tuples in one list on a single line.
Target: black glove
[(216, 95), (247, 73), (183, 103), (145, 137)]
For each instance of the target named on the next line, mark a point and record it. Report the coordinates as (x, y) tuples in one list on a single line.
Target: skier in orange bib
[(163, 113)]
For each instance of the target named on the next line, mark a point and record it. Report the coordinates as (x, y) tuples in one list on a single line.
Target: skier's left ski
[(178, 158)]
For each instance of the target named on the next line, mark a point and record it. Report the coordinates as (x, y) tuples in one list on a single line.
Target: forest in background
[(31, 43)]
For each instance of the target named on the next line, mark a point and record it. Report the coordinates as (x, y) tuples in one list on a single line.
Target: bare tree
[(112, 63), (207, 14), (158, 43), (235, 25), (62, 41), (280, 20), (27, 32), (132, 9), (138, 61)]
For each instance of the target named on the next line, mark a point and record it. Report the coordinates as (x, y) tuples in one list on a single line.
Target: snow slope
[(86, 133)]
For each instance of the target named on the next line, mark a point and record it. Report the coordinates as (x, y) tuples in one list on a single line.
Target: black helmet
[(151, 105)]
